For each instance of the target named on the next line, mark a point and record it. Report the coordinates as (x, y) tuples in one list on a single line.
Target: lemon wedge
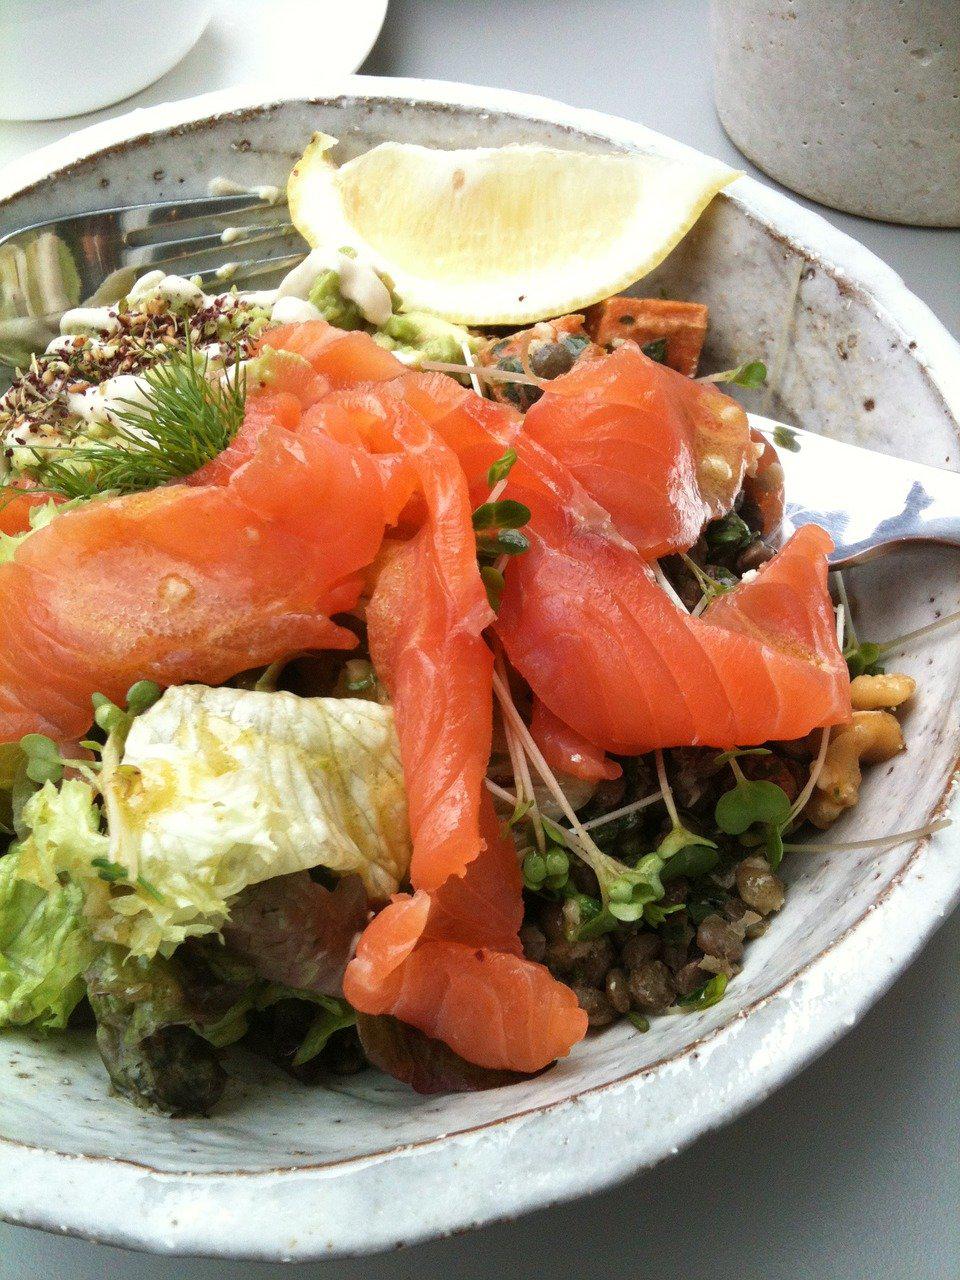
[(503, 235)]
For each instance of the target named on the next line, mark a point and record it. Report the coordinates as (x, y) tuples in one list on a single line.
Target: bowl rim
[(102, 1198)]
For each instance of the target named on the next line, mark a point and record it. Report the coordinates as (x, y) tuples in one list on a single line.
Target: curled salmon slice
[(605, 649), (425, 622), (661, 453), (187, 582), (567, 751), (449, 963)]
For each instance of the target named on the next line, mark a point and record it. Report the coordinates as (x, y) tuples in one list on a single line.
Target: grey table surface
[(850, 1172)]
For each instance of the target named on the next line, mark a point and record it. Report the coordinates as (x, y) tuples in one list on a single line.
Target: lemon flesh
[(503, 235)]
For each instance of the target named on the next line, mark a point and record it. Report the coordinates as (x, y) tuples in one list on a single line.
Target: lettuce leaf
[(219, 789), (297, 933), (45, 945)]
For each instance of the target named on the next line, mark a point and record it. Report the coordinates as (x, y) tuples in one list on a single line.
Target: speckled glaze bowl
[(285, 1172)]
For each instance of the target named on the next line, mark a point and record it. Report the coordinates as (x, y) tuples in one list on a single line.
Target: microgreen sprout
[(493, 585), (705, 997), (43, 760), (786, 438), (502, 467), (109, 871), (549, 870), (729, 533), (505, 514), (863, 659), (752, 373), (755, 804), (710, 586)]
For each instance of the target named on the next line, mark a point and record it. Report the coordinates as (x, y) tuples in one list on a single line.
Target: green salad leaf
[(45, 945)]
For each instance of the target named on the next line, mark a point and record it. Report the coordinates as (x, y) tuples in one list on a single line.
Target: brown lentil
[(652, 989), (618, 992), (717, 937)]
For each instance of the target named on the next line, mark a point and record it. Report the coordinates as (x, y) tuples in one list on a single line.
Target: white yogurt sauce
[(290, 310), (227, 187), (100, 319), (101, 403)]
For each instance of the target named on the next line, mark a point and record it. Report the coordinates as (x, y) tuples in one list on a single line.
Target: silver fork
[(50, 267), (868, 502)]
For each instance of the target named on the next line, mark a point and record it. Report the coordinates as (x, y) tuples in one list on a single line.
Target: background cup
[(855, 103)]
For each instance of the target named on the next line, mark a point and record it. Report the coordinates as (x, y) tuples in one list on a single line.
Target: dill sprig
[(185, 421)]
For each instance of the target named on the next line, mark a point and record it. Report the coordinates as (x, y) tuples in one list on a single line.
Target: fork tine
[(183, 257), (185, 221)]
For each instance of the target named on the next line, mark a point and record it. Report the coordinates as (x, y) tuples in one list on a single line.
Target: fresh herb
[(506, 514), (752, 373), (43, 760), (863, 659), (710, 586), (729, 532), (738, 752), (507, 542), (656, 350), (692, 862), (333, 1015), (785, 438), (549, 870), (493, 584), (639, 1021), (141, 696), (501, 468), (759, 804), (149, 889), (655, 915), (705, 997), (586, 918), (109, 871), (109, 717), (184, 422)]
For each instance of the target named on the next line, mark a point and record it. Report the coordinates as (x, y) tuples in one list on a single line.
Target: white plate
[(284, 1171), (247, 42)]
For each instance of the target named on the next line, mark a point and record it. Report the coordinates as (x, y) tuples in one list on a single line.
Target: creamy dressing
[(361, 285), (177, 290), (102, 403), (100, 319), (291, 310), (220, 186)]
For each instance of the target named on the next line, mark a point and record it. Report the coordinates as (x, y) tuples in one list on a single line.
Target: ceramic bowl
[(284, 1171)]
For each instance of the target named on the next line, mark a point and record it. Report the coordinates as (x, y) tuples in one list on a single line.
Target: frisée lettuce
[(45, 945), (218, 789)]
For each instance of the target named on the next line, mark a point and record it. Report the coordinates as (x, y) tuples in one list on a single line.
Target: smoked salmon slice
[(343, 358), (186, 583), (662, 454), (567, 751), (607, 651), (449, 963), (425, 623)]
